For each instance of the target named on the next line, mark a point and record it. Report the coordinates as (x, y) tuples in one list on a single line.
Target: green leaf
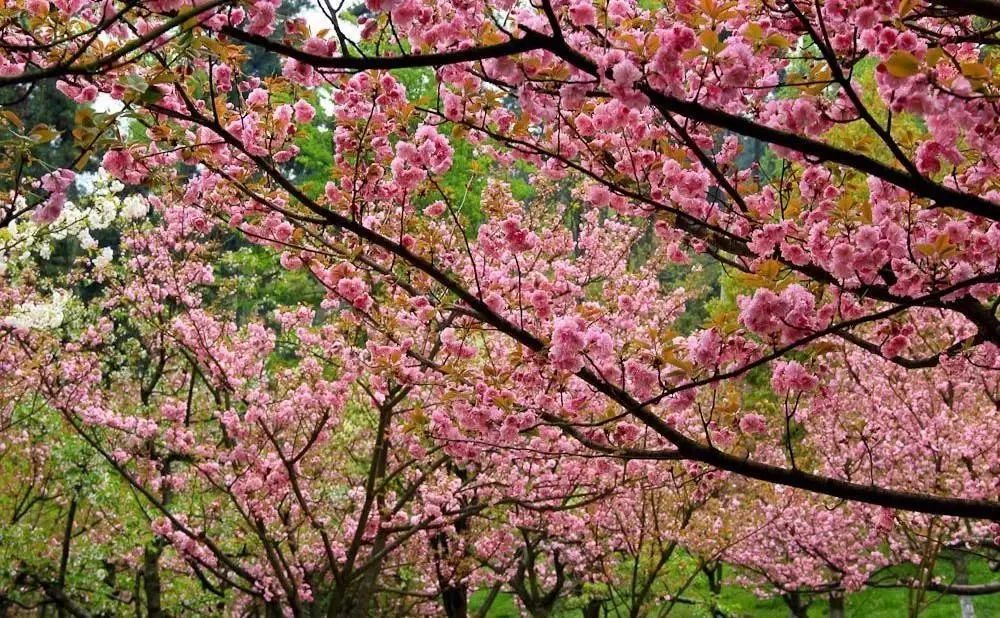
[(43, 134), (902, 64)]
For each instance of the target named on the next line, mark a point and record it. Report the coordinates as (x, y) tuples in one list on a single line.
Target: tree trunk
[(151, 579), (358, 597), (490, 599), (455, 599), (714, 575), (273, 610), (593, 608), (454, 594), (348, 603), (796, 607), (836, 604), (962, 577), (64, 559)]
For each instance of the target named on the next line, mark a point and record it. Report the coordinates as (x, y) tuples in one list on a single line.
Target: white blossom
[(86, 240), (134, 207), (40, 315), (104, 259)]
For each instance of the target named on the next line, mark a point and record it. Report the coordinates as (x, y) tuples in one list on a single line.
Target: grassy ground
[(737, 602)]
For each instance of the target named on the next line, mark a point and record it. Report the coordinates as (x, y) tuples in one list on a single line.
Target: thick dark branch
[(989, 9), (965, 590), (530, 41), (67, 540), (612, 451), (911, 363)]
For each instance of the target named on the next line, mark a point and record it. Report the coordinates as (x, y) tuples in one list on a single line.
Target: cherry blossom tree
[(499, 384)]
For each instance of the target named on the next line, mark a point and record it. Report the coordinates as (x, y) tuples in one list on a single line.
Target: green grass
[(739, 603)]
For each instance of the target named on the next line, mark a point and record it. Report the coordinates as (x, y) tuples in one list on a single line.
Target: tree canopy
[(413, 306)]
